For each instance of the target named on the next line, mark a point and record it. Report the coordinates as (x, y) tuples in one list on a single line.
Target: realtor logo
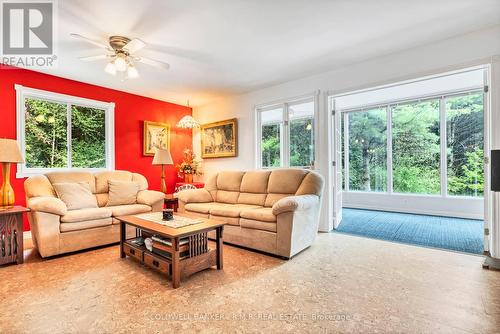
[(28, 33)]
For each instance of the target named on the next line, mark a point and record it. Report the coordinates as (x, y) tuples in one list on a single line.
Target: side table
[(171, 202), (11, 235)]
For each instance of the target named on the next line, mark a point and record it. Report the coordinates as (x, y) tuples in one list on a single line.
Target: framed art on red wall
[(155, 135)]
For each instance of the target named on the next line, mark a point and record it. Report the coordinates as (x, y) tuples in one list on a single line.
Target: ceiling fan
[(121, 56)]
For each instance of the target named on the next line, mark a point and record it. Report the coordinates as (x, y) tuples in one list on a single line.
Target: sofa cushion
[(122, 192), (86, 214), (201, 207), (38, 185), (273, 198), (285, 181), (235, 221), (102, 199), (72, 177), (130, 209), (262, 214), (255, 182), (102, 179), (224, 196), (229, 180), (311, 185), (76, 195), (143, 182), (250, 198), (230, 210), (84, 225), (258, 225)]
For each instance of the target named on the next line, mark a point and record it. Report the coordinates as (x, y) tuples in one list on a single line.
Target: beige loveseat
[(56, 230), (272, 211)]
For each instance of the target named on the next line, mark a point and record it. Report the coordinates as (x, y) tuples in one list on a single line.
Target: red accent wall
[(130, 112)]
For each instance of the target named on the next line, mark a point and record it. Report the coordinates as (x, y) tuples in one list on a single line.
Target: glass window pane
[(45, 134), (465, 145), (368, 150), (271, 121), (416, 148), (88, 137), (301, 120)]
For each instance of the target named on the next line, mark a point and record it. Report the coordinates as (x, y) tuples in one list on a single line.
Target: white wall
[(471, 49)]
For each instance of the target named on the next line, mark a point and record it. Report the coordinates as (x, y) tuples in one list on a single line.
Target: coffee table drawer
[(133, 252), (157, 263)]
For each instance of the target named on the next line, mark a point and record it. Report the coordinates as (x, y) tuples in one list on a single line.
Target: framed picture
[(155, 135), (219, 139)]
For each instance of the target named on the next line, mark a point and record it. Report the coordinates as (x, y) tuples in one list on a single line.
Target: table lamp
[(162, 157), (9, 153)]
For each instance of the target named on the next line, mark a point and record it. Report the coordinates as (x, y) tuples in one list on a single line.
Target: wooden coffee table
[(188, 253)]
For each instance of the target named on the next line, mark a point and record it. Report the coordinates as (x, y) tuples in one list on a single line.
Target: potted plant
[(189, 167)]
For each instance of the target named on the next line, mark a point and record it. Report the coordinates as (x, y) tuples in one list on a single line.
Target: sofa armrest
[(150, 197), (47, 204), (294, 203), (195, 196)]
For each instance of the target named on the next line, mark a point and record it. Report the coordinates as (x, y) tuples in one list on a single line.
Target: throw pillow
[(76, 195), (122, 192)]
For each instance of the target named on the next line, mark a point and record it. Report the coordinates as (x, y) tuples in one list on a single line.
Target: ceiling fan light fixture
[(120, 63), (110, 68), (132, 71)]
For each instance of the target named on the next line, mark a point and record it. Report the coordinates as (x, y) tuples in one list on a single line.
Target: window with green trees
[(415, 147), (368, 150), (271, 129), (63, 132), (465, 144), (287, 135)]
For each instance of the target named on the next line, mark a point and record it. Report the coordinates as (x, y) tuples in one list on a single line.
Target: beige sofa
[(275, 211), (56, 230)]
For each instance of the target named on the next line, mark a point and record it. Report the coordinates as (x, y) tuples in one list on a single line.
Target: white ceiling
[(233, 46)]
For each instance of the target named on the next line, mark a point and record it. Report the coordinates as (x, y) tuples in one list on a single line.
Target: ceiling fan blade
[(134, 45), (152, 62), (92, 58), (91, 41)]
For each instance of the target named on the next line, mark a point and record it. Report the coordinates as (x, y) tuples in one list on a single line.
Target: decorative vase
[(188, 178)]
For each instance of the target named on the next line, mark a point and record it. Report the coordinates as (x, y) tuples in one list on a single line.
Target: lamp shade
[(188, 122), (162, 157), (9, 151)]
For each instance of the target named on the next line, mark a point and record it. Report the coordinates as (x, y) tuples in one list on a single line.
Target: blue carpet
[(464, 235)]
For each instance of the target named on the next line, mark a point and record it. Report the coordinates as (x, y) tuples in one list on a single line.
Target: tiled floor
[(341, 284)]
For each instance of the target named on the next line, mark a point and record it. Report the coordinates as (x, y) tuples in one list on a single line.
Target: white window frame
[(285, 129), (25, 92), (389, 107)]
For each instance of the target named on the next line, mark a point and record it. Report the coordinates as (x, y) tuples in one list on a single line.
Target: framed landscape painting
[(219, 139), (155, 135)]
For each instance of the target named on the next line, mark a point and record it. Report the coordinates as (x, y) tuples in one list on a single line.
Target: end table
[(11, 235)]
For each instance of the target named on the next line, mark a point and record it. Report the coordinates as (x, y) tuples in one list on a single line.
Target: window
[(416, 152), (432, 144), (465, 144), (368, 150), (59, 132), (286, 134), (270, 141), (301, 120)]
